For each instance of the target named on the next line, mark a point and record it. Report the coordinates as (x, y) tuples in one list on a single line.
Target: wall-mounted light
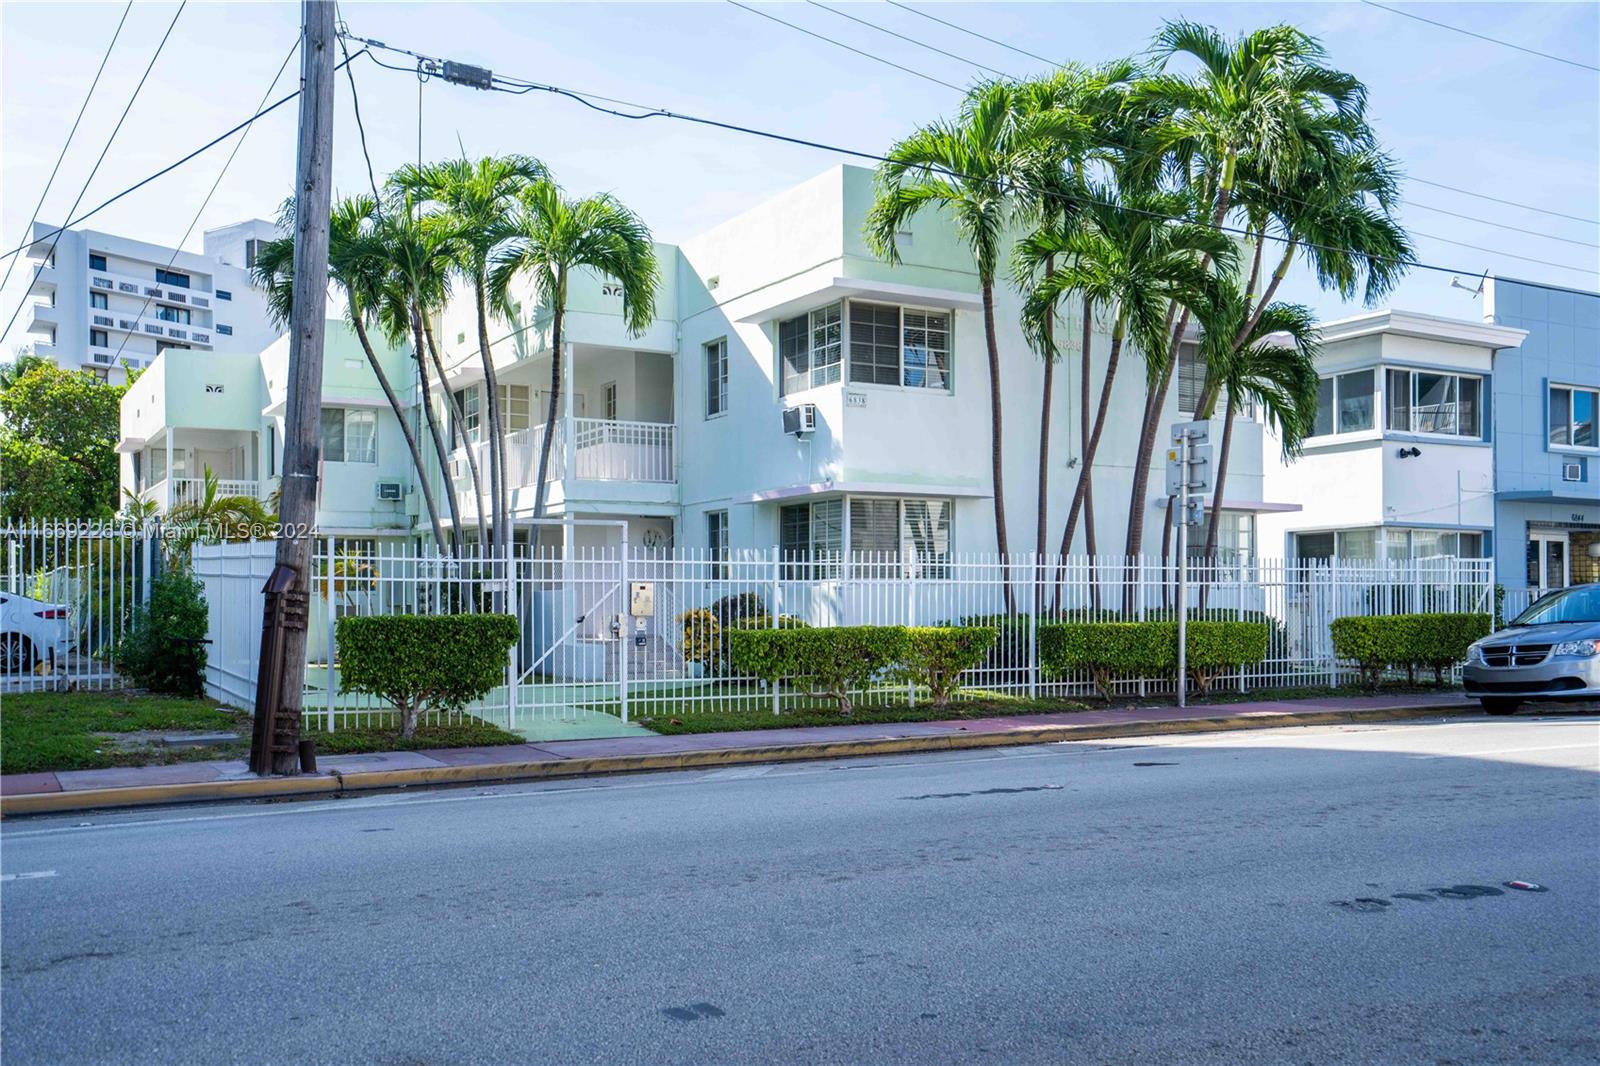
[(1407, 453)]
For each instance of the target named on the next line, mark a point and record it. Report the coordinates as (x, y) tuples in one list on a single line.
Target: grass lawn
[(713, 714), (57, 731)]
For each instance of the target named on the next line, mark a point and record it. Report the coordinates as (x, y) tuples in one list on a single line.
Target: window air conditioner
[(1572, 471), (800, 420), (390, 490)]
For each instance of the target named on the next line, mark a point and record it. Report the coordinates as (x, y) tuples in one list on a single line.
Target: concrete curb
[(336, 783)]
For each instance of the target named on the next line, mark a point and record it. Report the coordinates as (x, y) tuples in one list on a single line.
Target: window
[(272, 450), (716, 377), (515, 406), (608, 401), (349, 435), (252, 246), (811, 533), (97, 262), (901, 531), (226, 331), (1235, 537), (98, 299), (1191, 377), (717, 540), (892, 345), (99, 339), (224, 294), (174, 314), (471, 416), (1421, 401), (172, 277), (811, 349), (1572, 416), (1344, 403)]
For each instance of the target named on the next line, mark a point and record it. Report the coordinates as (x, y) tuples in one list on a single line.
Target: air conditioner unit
[(391, 490), (800, 419), (1572, 471)]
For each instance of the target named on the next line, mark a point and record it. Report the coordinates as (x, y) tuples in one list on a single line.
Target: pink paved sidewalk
[(556, 751)]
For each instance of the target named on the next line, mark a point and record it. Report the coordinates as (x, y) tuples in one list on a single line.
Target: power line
[(1508, 203), (70, 134), (1482, 37), (96, 168), (910, 40), (846, 47), (1503, 225), (519, 86), (974, 33), (170, 167), (1421, 181), (178, 248)]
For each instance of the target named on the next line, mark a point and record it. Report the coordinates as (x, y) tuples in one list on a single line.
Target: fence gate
[(572, 659), (67, 594)]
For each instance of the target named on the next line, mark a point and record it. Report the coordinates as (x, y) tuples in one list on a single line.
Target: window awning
[(869, 488), (1246, 506), (862, 289), (129, 445)]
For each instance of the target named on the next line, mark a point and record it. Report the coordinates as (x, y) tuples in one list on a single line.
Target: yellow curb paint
[(337, 782)]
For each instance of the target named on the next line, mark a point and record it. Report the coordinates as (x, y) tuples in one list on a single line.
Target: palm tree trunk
[(549, 419), (1166, 552), (500, 505), (458, 423), (1087, 465), (1088, 490), (433, 429), (1210, 554), (1002, 542), (423, 480), (1266, 297)]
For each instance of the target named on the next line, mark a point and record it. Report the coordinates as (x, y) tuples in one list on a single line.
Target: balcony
[(604, 450), (172, 492)]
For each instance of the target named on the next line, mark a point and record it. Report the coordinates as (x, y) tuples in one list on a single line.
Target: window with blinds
[(515, 406), (810, 536), (874, 344), (1191, 377), (716, 358), (811, 348)]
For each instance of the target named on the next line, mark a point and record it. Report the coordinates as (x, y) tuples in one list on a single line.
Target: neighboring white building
[(99, 300), (1401, 464)]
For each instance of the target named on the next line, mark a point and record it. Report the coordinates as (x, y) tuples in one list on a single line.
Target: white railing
[(170, 492), (582, 652), (625, 451)]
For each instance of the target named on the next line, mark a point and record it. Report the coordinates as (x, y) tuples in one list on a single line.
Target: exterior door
[(1548, 565)]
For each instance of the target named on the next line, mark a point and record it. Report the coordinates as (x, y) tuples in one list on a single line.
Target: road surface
[(1322, 895)]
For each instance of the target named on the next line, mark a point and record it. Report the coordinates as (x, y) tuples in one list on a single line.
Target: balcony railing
[(170, 492), (605, 451)]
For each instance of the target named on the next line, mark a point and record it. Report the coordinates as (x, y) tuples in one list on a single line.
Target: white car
[(31, 631)]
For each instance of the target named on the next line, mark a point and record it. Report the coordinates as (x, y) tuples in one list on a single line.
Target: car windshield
[(1581, 604)]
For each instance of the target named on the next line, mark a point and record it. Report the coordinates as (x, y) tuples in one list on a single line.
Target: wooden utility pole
[(280, 675)]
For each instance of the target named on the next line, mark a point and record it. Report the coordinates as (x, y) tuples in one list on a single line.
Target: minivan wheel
[(1501, 706)]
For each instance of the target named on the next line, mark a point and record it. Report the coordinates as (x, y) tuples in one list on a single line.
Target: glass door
[(1547, 561)]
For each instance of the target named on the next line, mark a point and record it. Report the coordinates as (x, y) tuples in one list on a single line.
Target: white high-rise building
[(99, 300)]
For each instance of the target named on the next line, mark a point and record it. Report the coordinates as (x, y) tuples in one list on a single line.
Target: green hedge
[(1376, 643), (1112, 650), (936, 656), (424, 662), (163, 649), (834, 661)]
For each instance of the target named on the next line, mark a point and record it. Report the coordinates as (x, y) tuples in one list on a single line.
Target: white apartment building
[(1401, 464), (99, 300), (794, 390)]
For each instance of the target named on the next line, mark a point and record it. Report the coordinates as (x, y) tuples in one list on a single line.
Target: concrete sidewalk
[(229, 779)]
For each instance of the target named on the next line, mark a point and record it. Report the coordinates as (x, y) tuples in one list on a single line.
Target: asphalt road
[(1264, 897)]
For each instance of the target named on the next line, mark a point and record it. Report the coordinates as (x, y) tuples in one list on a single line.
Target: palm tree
[(1132, 264), (477, 199), (1263, 100), (548, 237), (968, 168), (1265, 357), (357, 266), (215, 517)]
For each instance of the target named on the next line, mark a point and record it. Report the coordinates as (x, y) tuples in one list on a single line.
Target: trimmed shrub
[(424, 662), (705, 635), (1112, 650), (936, 656), (163, 649), (1376, 643), (833, 662)]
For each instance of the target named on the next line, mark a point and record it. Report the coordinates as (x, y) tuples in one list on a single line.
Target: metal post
[(773, 616), (625, 637), (1033, 626), (1183, 572), (328, 602), (1330, 613), (514, 601)]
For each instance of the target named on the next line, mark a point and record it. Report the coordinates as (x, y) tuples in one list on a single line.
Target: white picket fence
[(68, 591), (583, 652)]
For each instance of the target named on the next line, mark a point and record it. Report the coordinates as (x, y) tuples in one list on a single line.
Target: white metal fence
[(67, 594), (583, 652)]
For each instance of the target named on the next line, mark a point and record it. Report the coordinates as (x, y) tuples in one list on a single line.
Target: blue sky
[(1452, 109)]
